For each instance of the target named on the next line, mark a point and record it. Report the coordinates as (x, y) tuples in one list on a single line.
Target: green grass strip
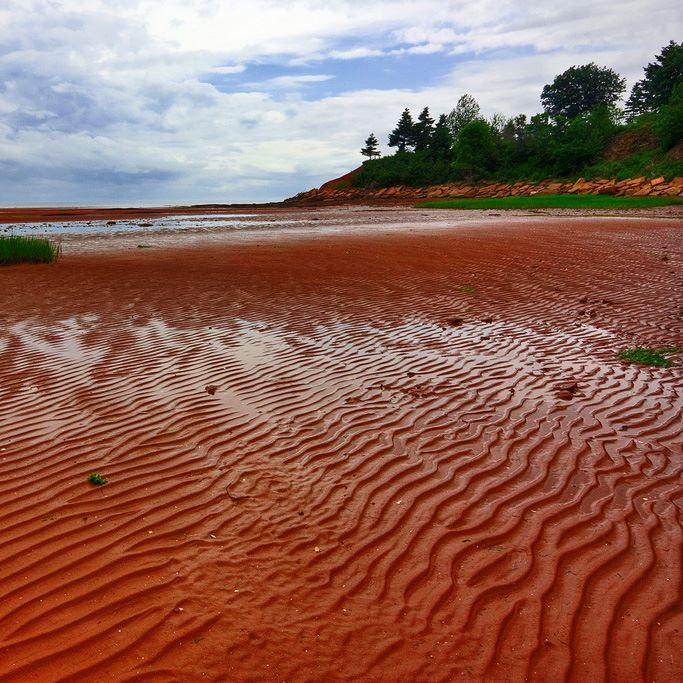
[(553, 201), (15, 249), (650, 356)]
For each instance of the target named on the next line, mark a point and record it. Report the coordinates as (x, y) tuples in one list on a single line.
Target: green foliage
[(650, 356), (403, 136), (97, 479), (370, 150), (16, 249), (553, 201), (441, 144), (580, 141), (668, 122), (498, 123), (407, 168), (580, 89), (569, 140), (467, 289), (423, 130), (661, 77), (650, 163), (466, 110), (476, 153)]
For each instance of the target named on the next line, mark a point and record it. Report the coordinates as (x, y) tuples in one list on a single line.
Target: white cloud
[(103, 96), (354, 53), (289, 82), (227, 69)]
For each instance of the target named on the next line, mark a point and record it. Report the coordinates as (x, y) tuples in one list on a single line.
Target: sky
[(140, 102)]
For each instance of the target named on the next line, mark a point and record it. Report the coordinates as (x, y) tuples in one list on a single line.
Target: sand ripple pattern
[(326, 459)]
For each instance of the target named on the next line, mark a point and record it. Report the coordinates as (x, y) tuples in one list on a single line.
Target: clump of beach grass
[(97, 479), (643, 355), (18, 249)]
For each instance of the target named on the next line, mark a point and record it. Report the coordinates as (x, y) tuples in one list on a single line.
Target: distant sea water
[(146, 225)]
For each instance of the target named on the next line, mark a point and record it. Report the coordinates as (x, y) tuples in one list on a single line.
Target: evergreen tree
[(403, 135), (661, 77), (580, 89), (466, 110), (441, 143), (423, 130), (370, 150)]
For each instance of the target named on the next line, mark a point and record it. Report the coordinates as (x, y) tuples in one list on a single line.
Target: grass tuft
[(650, 356), (16, 249), (467, 289), (553, 201), (97, 479)]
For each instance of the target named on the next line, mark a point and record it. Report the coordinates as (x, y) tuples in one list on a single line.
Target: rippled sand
[(404, 452)]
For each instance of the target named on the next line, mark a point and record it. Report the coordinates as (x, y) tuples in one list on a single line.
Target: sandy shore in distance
[(46, 214), (384, 455)]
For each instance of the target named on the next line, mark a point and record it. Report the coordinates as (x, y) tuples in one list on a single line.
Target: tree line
[(580, 118)]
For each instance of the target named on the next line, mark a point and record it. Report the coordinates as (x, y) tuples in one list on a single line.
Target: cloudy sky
[(133, 102)]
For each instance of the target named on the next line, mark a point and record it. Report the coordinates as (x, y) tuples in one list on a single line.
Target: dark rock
[(565, 391), (455, 321)]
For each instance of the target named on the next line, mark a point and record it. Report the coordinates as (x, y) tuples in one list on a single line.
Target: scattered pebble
[(566, 390), (455, 321)]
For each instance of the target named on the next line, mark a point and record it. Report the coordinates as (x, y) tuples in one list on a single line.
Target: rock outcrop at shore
[(632, 187)]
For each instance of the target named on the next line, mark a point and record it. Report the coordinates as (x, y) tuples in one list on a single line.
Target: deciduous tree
[(466, 110), (476, 153), (580, 89)]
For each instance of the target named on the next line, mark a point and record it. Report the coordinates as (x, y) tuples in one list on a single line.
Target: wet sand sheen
[(328, 457)]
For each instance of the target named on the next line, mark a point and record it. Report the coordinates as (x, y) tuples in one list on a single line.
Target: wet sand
[(76, 213), (383, 455)]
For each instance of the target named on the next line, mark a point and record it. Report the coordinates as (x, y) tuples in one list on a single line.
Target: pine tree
[(661, 77), (423, 130), (370, 150), (403, 135), (441, 143)]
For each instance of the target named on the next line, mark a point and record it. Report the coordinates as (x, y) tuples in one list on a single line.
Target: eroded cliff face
[(632, 187)]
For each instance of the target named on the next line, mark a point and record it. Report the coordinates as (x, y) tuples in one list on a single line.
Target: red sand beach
[(397, 455)]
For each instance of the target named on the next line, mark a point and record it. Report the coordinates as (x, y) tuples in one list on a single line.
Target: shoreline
[(48, 215)]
